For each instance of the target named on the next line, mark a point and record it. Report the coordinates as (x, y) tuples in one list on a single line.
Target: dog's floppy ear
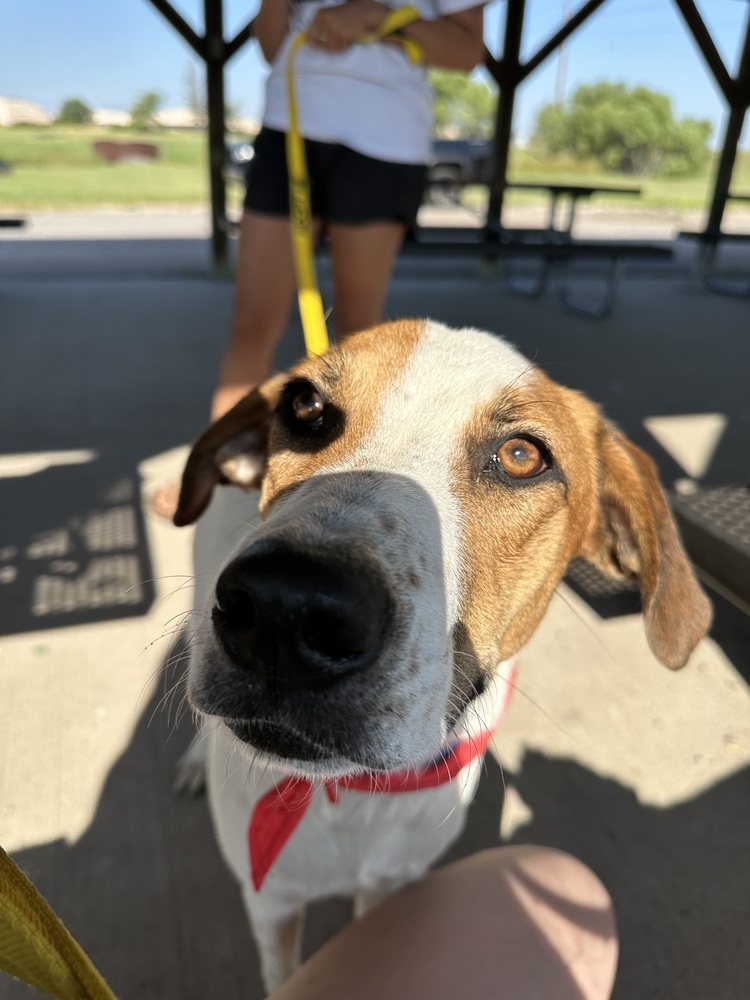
[(635, 535), (232, 450)]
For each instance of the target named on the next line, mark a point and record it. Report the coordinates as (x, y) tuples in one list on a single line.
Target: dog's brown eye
[(521, 458), (308, 406)]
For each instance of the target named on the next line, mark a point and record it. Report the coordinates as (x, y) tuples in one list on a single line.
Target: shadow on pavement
[(148, 896), (73, 548), (679, 877)]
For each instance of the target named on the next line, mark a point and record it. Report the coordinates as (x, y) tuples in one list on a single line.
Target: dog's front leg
[(279, 942), (190, 773), (366, 899)]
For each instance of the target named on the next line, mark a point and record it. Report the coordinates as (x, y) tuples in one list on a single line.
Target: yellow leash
[(300, 213), (37, 948)]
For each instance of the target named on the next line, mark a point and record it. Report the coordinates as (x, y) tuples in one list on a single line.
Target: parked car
[(456, 163), (237, 157)]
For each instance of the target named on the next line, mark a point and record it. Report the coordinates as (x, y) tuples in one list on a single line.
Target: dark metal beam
[(241, 38), (494, 67), (732, 134), (557, 39), (179, 23), (511, 62), (700, 33), (215, 52), (215, 57)]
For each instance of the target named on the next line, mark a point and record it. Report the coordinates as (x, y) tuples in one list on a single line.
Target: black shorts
[(345, 186)]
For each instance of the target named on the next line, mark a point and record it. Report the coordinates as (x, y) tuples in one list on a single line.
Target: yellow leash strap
[(300, 212), (300, 215), (393, 23), (37, 948)]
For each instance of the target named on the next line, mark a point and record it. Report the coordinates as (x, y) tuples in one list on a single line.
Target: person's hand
[(336, 28)]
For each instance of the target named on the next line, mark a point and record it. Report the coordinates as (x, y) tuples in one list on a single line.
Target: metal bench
[(510, 245), (715, 526), (706, 263), (9, 223)]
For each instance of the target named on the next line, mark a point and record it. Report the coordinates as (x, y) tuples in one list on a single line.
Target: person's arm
[(455, 41), (270, 26)]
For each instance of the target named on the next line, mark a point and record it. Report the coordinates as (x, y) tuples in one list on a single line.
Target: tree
[(143, 112), (464, 108), (74, 112), (629, 130)]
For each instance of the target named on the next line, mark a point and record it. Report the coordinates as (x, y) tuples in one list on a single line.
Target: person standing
[(365, 112)]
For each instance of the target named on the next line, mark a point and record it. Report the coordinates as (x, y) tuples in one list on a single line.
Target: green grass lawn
[(55, 168)]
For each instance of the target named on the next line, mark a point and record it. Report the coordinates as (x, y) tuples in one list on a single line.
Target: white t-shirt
[(369, 97)]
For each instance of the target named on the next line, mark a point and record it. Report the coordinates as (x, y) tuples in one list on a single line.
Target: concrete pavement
[(642, 773)]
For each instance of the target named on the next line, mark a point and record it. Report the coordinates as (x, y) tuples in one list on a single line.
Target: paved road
[(194, 223), (643, 773)]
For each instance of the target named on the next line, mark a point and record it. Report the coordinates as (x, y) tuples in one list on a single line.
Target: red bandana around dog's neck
[(278, 813)]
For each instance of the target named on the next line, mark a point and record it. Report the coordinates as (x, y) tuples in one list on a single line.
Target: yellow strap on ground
[(37, 948), (300, 212)]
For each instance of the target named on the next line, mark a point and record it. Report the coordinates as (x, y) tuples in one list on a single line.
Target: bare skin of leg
[(363, 259), (516, 923), (264, 289)]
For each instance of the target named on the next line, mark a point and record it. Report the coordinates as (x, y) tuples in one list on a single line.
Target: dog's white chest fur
[(361, 842)]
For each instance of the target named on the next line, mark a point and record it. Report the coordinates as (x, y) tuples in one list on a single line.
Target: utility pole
[(562, 62)]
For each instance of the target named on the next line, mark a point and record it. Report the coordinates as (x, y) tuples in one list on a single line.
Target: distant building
[(249, 126), (178, 118), (14, 111), (187, 118), (108, 117)]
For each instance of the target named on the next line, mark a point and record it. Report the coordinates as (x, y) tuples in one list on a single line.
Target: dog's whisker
[(524, 694), (592, 632), (162, 703)]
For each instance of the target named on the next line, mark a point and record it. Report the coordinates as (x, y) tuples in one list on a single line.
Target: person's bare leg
[(363, 258), (516, 923), (264, 289)]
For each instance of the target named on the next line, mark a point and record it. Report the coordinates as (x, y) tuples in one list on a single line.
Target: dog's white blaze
[(448, 376), (451, 373)]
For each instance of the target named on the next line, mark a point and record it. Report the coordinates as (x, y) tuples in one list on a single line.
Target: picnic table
[(706, 263), (573, 193), (9, 223), (551, 249), (558, 236)]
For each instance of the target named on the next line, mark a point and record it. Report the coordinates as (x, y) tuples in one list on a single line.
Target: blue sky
[(107, 52)]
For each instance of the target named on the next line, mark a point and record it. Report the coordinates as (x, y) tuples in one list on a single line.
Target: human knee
[(554, 867), (569, 906)]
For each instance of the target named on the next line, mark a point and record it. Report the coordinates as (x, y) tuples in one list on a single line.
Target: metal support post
[(214, 41), (511, 63), (732, 133)]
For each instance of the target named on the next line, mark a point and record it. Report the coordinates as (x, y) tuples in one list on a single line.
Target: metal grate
[(725, 509), (715, 526), (594, 583), (608, 596)]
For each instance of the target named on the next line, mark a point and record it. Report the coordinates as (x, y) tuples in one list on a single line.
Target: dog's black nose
[(300, 620)]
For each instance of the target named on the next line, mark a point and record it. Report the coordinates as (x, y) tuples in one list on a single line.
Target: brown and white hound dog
[(422, 491)]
